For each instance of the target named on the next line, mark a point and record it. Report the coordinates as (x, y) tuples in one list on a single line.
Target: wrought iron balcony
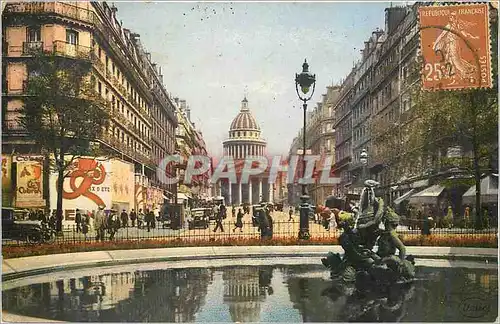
[(31, 48), (59, 8), (71, 50)]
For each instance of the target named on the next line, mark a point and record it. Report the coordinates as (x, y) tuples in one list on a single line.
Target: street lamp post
[(363, 157), (304, 80)]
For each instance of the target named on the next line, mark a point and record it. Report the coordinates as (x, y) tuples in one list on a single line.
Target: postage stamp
[(455, 47)]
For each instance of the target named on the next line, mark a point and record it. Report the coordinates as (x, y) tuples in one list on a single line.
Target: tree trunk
[(59, 189), (477, 170)]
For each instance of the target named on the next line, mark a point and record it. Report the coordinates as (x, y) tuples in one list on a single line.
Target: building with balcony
[(189, 142), (142, 131)]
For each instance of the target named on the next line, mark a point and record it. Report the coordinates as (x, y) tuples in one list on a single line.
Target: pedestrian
[(113, 223), (148, 218), (124, 218), (140, 219), (41, 217), (133, 217), (325, 216), (100, 224), (85, 225), (290, 213), (78, 220), (269, 222), (218, 219), (152, 218), (233, 211), (264, 226), (239, 221), (52, 220)]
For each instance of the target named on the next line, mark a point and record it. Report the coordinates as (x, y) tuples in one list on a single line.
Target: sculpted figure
[(361, 231)]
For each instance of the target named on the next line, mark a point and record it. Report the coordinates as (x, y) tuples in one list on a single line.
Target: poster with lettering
[(29, 181), (87, 186), (455, 47), (122, 182), (6, 180)]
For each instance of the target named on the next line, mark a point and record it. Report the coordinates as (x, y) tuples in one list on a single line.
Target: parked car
[(200, 218), (16, 227)]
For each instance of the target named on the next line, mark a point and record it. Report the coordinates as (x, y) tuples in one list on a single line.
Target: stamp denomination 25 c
[(455, 47)]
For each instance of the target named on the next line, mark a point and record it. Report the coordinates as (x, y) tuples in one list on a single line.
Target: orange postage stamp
[(455, 47)]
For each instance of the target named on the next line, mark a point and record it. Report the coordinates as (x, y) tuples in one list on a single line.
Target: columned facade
[(245, 141)]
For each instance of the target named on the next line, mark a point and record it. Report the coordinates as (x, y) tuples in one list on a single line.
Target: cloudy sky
[(211, 52)]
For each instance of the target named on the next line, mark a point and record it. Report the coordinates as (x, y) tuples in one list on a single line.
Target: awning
[(489, 191), (182, 196), (402, 198), (427, 196)]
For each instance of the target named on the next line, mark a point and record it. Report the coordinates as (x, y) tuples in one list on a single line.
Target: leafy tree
[(468, 118), (63, 113)]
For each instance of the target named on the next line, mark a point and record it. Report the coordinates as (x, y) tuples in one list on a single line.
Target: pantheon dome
[(245, 140), (244, 135)]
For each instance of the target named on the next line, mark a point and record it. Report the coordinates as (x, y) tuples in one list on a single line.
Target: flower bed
[(452, 240)]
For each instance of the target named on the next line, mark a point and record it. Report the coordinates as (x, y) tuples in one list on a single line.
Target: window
[(71, 37), (34, 34)]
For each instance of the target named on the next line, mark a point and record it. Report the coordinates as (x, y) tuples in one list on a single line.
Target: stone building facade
[(142, 131)]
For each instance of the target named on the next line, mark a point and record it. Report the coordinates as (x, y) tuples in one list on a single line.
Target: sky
[(212, 54)]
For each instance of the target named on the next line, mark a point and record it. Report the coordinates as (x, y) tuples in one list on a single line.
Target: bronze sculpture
[(361, 231)]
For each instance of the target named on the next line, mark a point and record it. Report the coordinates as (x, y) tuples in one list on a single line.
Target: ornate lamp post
[(304, 80), (363, 157)]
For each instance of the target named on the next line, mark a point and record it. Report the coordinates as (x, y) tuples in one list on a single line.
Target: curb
[(20, 267)]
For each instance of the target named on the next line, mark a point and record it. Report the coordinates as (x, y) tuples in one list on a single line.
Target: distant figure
[(133, 217), (290, 213), (140, 219), (233, 211), (124, 218), (78, 220), (218, 219), (100, 224), (239, 221)]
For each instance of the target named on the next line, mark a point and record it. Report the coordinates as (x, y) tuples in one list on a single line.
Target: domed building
[(245, 140)]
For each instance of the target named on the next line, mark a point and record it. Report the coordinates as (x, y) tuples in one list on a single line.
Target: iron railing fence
[(28, 235)]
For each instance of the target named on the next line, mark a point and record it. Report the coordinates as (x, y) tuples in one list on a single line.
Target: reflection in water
[(249, 294), (245, 288)]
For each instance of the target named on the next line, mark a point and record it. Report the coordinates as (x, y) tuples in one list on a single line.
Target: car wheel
[(33, 238)]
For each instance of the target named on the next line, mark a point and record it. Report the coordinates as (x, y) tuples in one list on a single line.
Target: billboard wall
[(87, 186)]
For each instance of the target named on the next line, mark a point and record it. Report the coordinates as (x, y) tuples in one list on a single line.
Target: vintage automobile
[(15, 226), (200, 218)]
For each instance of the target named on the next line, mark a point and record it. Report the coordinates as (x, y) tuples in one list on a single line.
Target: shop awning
[(427, 196), (182, 196), (489, 191), (404, 197)]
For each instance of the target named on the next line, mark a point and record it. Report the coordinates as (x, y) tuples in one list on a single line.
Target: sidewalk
[(27, 266)]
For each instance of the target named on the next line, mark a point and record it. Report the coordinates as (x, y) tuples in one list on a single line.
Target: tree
[(467, 118), (63, 113)]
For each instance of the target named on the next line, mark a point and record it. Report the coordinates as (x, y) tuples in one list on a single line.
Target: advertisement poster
[(6, 180), (29, 181), (122, 184), (87, 186)]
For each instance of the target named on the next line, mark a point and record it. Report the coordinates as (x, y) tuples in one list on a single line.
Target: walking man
[(290, 213), (218, 219), (78, 220), (133, 217), (239, 221), (100, 223)]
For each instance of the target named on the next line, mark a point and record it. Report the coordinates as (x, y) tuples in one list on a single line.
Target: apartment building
[(189, 142), (142, 131)]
